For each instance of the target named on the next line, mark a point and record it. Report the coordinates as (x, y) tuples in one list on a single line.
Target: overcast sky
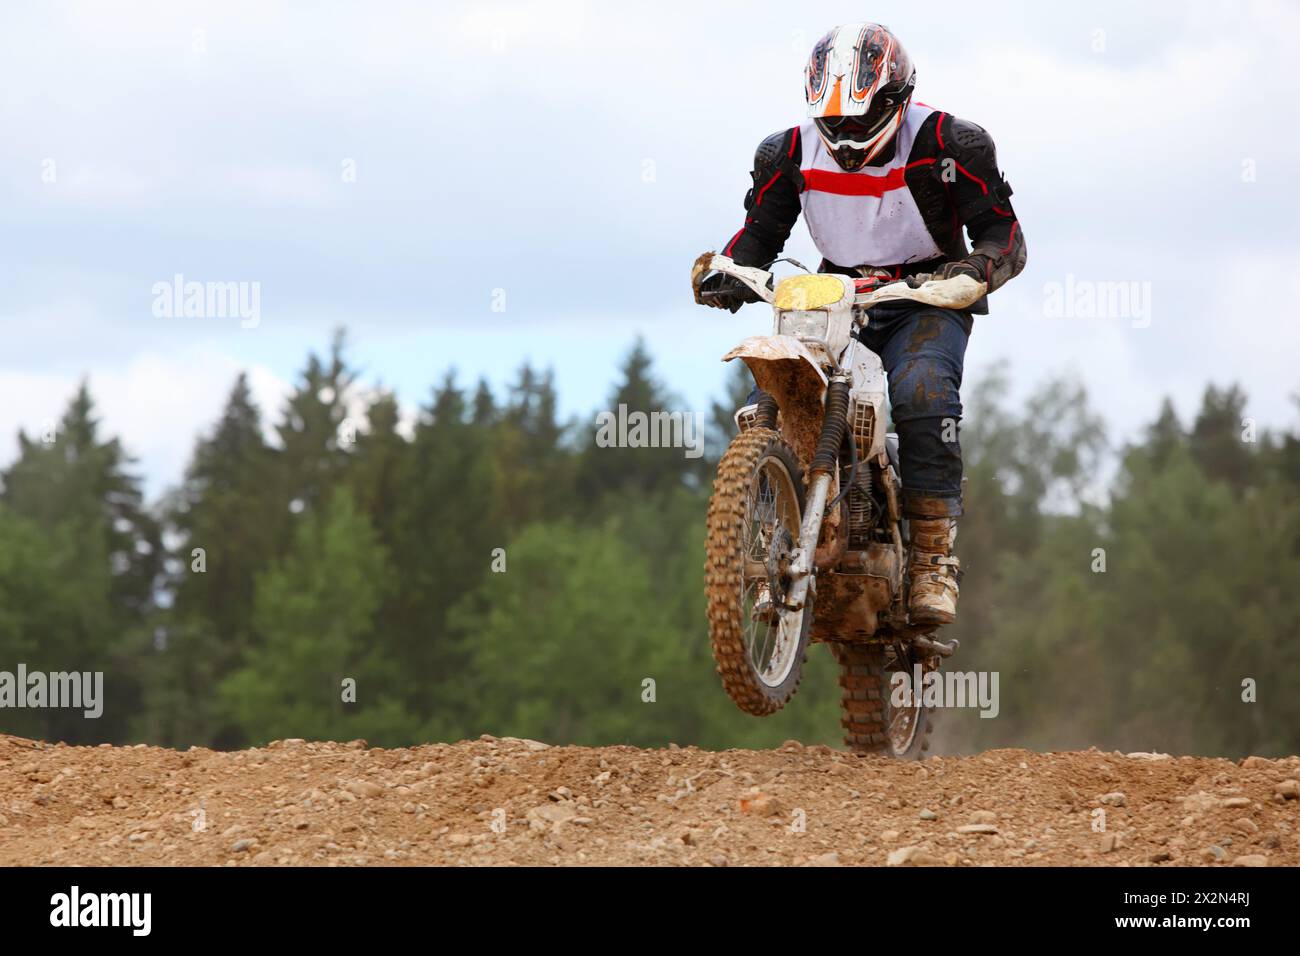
[(390, 166)]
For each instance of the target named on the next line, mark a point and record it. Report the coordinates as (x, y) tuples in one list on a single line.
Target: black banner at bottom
[(915, 905)]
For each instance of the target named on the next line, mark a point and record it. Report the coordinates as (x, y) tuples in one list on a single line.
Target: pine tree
[(378, 467), (1217, 438), (311, 429), (531, 466), (79, 478), (445, 529), (77, 490), (229, 523), (616, 468), (485, 407), (1165, 435), (227, 510)]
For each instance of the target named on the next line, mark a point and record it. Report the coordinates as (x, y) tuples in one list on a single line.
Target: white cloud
[(156, 403)]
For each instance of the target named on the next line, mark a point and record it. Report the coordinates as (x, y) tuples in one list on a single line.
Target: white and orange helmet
[(858, 84)]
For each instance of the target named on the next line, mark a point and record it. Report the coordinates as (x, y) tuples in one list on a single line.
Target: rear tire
[(871, 724)]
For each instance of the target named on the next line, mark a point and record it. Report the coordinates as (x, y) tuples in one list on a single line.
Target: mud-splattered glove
[(726, 292), (975, 267)]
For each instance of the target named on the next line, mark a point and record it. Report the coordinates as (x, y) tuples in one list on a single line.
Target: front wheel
[(753, 530)]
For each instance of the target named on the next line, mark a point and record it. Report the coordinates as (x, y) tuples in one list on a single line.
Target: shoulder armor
[(773, 150), (963, 136), (776, 155), (973, 147)]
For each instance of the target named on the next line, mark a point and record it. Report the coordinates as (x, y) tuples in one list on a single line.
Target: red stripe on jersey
[(857, 184), (852, 184)]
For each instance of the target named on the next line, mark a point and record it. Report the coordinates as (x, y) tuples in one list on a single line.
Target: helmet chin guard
[(858, 84), (852, 150)]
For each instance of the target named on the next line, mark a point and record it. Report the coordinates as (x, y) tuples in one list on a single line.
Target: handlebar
[(958, 292)]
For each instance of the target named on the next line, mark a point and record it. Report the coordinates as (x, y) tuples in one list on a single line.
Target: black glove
[(724, 291), (973, 267)]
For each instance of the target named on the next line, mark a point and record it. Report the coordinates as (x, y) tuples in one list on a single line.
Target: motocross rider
[(885, 186)]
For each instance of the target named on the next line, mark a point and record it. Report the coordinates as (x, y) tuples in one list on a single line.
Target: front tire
[(753, 524)]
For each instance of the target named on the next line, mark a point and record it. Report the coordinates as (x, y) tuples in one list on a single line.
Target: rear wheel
[(753, 529), (872, 724)]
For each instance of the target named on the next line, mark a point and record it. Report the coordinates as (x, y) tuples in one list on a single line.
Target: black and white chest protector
[(867, 217)]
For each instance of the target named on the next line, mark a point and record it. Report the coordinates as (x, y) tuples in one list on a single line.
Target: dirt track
[(333, 804)]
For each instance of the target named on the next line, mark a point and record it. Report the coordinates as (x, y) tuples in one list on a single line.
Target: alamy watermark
[(75, 908), (945, 689), (1088, 299), (38, 689), (635, 429), (179, 299)]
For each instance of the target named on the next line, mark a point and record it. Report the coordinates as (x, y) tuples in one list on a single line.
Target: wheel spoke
[(768, 525), (762, 654)]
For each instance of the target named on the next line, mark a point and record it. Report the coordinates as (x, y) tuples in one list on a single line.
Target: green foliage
[(81, 556), (227, 521), (589, 637), (617, 473), (78, 479), (55, 615), (311, 430), (314, 613), (1136, 625)]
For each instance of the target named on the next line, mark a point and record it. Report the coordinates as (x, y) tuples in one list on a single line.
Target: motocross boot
[(933, 571)]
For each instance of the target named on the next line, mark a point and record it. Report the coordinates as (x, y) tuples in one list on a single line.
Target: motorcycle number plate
[(807, 292)]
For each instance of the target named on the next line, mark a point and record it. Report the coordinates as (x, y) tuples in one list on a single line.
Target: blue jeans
[(923, 349)]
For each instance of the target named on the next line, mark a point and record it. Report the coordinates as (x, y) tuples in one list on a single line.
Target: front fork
[(822, 470)]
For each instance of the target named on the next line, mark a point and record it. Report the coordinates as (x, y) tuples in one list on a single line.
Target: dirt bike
[(806, 510)]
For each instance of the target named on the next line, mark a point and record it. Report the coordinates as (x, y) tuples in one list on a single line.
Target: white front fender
[(785, 369), (775, 348)]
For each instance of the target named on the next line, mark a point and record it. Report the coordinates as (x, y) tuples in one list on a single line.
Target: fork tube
[(822, 469), (801, 564)]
